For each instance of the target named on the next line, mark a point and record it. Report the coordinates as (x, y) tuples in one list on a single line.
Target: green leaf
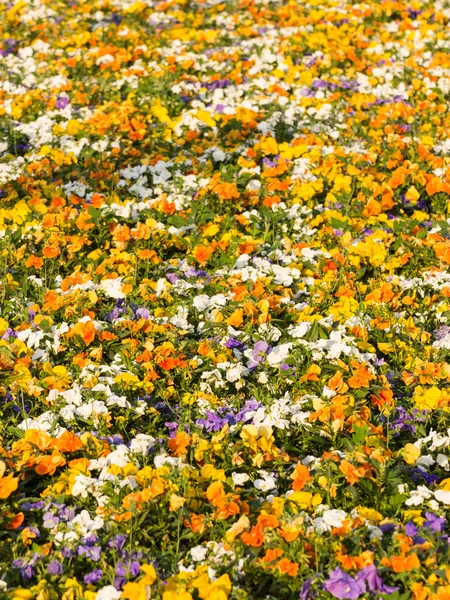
[(360, 434)]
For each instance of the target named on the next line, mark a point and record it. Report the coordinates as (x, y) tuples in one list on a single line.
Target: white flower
[(142, 443), (269, 332), (266, 484), (64, 538), (442, 461), (83, 485), (262, 378), (442, 496), (219, 155), (419, 496), (300, 330), (239, 478), (334, 517), (83, 523), (279, 354), (199, 553), (119, 456), (327, 393), (164, 459), (108, 592), (112, 288), (235, 373), (97, 407), (254, 185), (425, 460), (375, 533)]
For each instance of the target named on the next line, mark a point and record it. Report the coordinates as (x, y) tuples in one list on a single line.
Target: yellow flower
[(430, 398), (412, 195), (268, 145), (176, 502), (20, 376), (372, 249), (20, 594), (178, 595), (342, 183), (211, 230), (369, 513), (345, 308), (411, 453), (305, 499), (205, 117)]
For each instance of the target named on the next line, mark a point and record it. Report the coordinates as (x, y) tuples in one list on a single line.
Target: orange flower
[(420, 592), (215, 492), (312, 373), (236, 319), (51, 251), (8, 485), (301, 476), (434, 186), (38, 438), (254, 537), (227, 507), (68, 442), (287, 567), (351, 473), (360, 378), (400, 564), (385, 399), (85, 330), (47, 465), (34, 261), (178, 444), (16, 521), (84, 221), (170, 363), (272, 554), (202, 253), (196, 524), (442, 250), (267, 521), (337, 384), (226, 191)]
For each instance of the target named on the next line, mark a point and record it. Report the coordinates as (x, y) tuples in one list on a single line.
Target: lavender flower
[(93, 577), (50, 520), (55, 568), (374, 582), (341, 585), (434, 522)]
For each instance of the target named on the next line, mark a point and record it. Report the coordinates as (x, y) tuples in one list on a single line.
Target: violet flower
[(343, 586), (212, 422), (306, 593), (62, 102), (434, 522), (260, 350), (93, 577), (117, 542), (143, 313), (50, 520), (374, 582), (55, 568)]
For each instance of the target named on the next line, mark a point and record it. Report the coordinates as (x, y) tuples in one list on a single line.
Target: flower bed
[(225, 300)]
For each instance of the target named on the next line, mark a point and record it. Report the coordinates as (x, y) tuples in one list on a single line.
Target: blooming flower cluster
[(225, 299)]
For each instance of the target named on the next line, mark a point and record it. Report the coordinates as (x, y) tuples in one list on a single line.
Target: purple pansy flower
[(343, 586), (374, 582), (434, 522), (55, 568), (93, 577)]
